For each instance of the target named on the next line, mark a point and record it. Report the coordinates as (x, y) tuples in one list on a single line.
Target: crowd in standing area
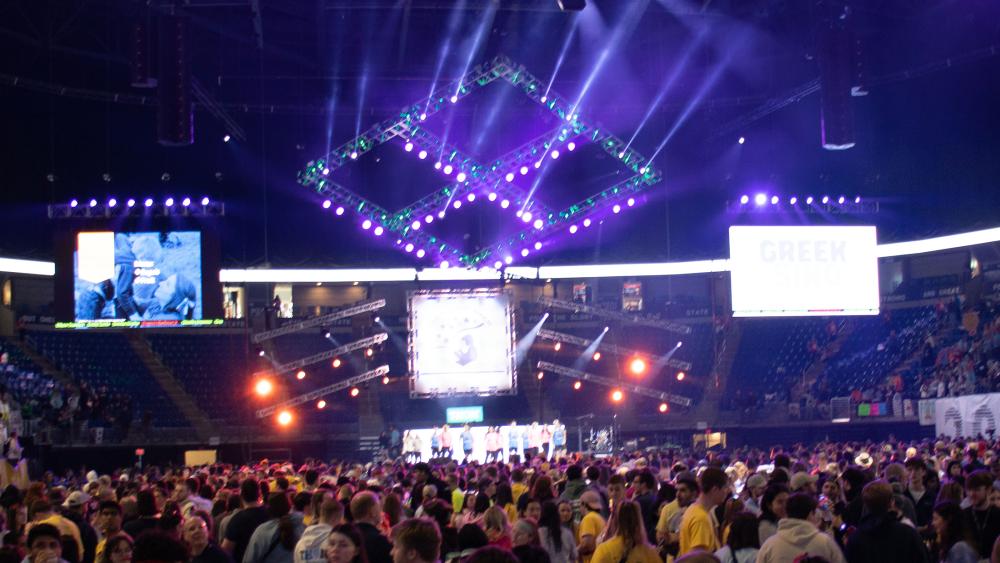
[(923, 501)]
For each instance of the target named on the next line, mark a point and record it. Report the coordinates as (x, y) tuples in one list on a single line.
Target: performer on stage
[(446, 450), (534, 440), (512, 439), (435, 443), (492, 444), (416, 447), (526, 442), (467, 442), (558, 439), (546, 434)]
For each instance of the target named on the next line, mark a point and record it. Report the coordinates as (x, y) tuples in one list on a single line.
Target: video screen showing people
[(137, 276)]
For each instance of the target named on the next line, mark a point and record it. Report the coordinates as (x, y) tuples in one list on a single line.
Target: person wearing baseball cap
[(591, 526), (753, 490), (803, 482)]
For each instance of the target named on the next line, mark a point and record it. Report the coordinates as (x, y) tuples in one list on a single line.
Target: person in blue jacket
[(467, 442)]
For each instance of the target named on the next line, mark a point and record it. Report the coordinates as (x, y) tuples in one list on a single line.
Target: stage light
[(470, 198), (336, 362), (456, 204), (130, 202), (378, 231), (263, 387), (369, 352), (492, 196), (355, 391), (408, 247), (621, 154), (526, 216), (524, 170), (538, 245), (444, 265), (366, 224), (543, 99), (93, 203), (261, 353), (519, 212), (454, 99), (326, 334), (826, 199), (204, 200), (429, 219), (226, 138), (73, 203), (112, 202), (630, 202), (423, 116), (841, 200), (186, 201), (169, 202), (774, 200), (385, 380), (354, 155), (448, 168), (571, 146), (437, 165), (326, 171), (573, 229), (538, 164), (327, 203), (679, 344), (760, 199), (284, 418), (408, 147), (300, 375), (577, 385), (741, 140), (664, 408), (422, 154), (744, 199), (538, 224), (597, 356), (460, 177), (607, 328), (642, 170), (524, 252), (637, 366), (505, 204), (339, 211), (555, 154), (541, 375), (586, 222), (616, 209), (557, 346), (508, 259), (321, 404), (421, 253), (809, 200), (681, 375), (617, 395), (793, 200), (497, 265)]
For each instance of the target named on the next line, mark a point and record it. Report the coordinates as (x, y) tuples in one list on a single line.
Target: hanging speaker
[(140, 58), (175, 115), (836, 47)]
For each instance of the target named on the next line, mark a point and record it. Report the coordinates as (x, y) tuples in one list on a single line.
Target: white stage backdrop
[(803, 271), (461, 343), (967, 416)]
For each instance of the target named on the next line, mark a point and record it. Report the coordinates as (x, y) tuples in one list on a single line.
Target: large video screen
[(137, 279), (461, 343), (803, 271)]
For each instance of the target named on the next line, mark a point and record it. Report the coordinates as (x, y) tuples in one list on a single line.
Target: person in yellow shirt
[(44, 514), (517, 486), (591, 526), (629, 544), (669, 524), (698, 528)]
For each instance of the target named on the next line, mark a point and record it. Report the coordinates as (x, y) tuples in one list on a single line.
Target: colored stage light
[(857, 199), (664, 408), (130, 202), (505, 204), (284, 418), (524, 170), (841, 200), (422, 154), (444, 265), (408, 147), (497, 265), (526, 216), (354, 155), (421, 253), (369, 352), (448, 168), (637, 366), (557, 346), (437, 165), (423, 116), (73, 203), (509, 177), (554, 154), (760, 199), (538, 164), (93, 203), (571, 146), (204, 200), (538, 224), (300, 375), (793, 200), (355, 391), (617, 395), (541, 375), (586, 222), (630, 202), (385, 380), (774, 200), (453, 99), (409, 247), (524, 252), (809, 200), (741, 140), (508, 259), (642, 170), (339, 211), (378, 231), (492, 196), (456, 204), (460, 177), (415, 225), (169, 202), (226, 138), (186, 201), (327, 203), (597, 356), (336, 362), (429, 219), (321, 404), (616, 209), (826, 199), (538, 245), (112, 202), (573, 229), (263, 387), (681, 375), (470, 198), (577, 385), (261, 353), (366, 224)]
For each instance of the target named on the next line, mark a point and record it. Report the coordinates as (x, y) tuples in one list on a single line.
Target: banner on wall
[(925, 412), (967, 416)]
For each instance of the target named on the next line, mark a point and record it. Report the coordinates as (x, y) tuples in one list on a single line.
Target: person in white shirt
[(309, 548)]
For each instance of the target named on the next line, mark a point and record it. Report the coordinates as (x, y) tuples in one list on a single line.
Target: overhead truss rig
[(614, 315), (614, 383), (608, 348), (323, 391), (407, 127), (289, 367), (359, 309)]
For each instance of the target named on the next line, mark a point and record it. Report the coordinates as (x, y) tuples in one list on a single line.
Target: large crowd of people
[(924, 501)]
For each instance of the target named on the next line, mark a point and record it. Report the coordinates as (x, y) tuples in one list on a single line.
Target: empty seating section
[(105, 360), (775, 352), (25, 383), (213, 369)]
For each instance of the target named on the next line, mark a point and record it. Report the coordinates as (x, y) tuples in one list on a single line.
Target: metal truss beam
[(610, 348), (614, 315), (614, 383), (328, 355), (323, 391), (364, 307)]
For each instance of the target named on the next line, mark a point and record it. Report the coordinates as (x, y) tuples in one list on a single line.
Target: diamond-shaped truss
[(478, 178)]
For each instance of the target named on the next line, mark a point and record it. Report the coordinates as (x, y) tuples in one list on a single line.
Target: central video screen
[(137, 278), (461, 343)]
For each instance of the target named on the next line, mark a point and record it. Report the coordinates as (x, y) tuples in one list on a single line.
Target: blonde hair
[(495, 518)]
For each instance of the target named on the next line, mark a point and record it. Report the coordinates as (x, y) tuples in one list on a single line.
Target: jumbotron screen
[(137, 279), (803, 271), (461, 343)]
